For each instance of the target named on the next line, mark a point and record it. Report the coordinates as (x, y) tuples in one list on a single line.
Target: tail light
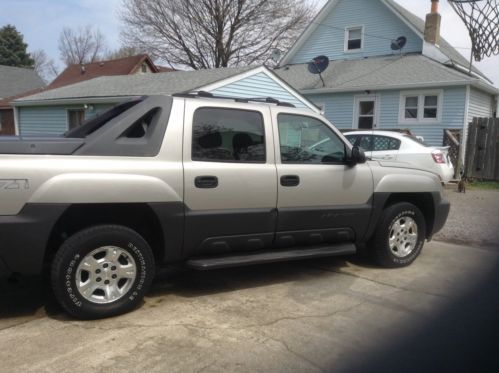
[(438, 157)]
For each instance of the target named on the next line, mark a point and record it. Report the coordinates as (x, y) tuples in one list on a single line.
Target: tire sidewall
[(384, 255), (77, 247), (411, 213)]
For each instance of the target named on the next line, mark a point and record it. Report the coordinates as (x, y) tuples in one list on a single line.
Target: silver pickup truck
[(202, 182)]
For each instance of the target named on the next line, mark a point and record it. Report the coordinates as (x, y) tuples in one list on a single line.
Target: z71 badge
[(14, 184)]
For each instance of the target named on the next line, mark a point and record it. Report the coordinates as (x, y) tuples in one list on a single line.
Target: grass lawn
[(489, 185)]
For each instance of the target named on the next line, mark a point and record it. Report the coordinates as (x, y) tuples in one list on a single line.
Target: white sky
[(42, 20)]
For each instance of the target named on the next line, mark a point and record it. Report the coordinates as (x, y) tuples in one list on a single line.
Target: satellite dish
[(399, 43), (318, 65), (276, 55)]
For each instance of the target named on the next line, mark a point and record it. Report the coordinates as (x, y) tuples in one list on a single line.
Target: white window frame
[(421, 98), (356, 102), (347, 35)]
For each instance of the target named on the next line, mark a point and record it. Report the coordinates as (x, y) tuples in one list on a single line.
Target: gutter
[(387, 87), (72, 101)]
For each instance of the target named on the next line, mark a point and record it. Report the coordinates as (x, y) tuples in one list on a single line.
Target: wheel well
[(139, 217), (423, 201)]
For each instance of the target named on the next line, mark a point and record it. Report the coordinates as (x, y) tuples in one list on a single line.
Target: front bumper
[(442, 209)]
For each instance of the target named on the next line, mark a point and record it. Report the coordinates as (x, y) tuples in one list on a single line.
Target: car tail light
[(438, 157)]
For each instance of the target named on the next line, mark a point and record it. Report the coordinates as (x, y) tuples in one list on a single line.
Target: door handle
[(206, 182), (290, 180)]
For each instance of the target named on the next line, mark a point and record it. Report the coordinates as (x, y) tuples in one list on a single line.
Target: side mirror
[(357, 156)]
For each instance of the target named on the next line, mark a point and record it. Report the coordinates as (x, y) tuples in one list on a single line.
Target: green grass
[(488, 185)]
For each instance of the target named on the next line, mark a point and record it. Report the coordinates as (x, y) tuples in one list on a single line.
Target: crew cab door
[(230, 178), (321, 199)]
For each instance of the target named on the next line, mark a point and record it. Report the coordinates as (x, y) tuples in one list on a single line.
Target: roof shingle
[(374, 73), (137, 85), (16, 80), (121, 66)]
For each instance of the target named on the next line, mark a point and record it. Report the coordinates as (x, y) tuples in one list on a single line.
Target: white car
[(401, 147)]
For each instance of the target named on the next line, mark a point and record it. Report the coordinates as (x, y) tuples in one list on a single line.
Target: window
[(144, 67), (411, 107), (430, 107), (383, 143), (308, 140), (353, 39), (228, 135), (425, 107), (75, 118)]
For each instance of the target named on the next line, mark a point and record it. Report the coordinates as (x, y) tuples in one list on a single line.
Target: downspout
[(464, 137), (497, 107), (16, 120)]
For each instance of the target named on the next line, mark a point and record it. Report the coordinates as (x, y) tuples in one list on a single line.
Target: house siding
[(339, 109), (480, 105), (50, 120), (258, 85), (380, 27)]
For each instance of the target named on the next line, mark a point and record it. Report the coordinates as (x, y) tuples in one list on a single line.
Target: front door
[(366, 112), (321, 199), (230, 178)]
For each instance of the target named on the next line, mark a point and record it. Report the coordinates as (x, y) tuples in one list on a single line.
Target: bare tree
[(44, 65), (123, 52), (213, 33), (80, 46)]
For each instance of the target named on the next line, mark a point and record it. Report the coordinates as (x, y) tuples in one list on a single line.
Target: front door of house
[(366, 112)]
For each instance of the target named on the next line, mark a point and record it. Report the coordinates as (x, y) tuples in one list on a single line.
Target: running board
[(270, 256)]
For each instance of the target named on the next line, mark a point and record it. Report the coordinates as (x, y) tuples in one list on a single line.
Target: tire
[(399, 236), (102, 271)]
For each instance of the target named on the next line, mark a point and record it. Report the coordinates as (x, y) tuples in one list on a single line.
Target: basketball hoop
[(481, 17)]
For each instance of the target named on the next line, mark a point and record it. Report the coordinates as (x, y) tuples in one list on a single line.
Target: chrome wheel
[(403, 236), (106, 274)]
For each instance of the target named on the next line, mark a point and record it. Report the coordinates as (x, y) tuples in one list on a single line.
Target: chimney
[(432, 26)]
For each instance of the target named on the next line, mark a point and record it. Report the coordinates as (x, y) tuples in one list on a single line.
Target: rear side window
[(383, 143), (228, 135)]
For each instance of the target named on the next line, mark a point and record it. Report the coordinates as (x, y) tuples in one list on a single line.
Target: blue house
[(424, 87), (51, 112)]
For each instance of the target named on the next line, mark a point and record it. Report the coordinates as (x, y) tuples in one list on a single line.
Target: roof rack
[(204, 94)]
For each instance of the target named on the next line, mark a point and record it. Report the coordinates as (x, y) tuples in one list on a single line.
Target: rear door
[(320, 198), (230, 178)]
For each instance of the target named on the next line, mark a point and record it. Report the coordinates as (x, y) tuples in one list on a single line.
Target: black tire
[(135, 252), (380, 248)]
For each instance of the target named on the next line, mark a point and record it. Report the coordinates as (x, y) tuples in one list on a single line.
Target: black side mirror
[(357, 156)]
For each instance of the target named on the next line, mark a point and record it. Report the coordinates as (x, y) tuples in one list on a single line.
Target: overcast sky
[(42, 20)]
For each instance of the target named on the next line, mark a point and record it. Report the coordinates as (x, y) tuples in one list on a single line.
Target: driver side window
[(306, 140)]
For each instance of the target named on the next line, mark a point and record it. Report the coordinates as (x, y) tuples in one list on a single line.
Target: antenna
[(318, 65), (399, 43)]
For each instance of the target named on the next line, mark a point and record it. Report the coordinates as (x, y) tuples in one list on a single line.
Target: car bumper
[(446, 173), (24, 238), (442, 209)]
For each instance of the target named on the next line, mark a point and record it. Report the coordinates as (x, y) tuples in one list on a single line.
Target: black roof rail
[(204, 94)]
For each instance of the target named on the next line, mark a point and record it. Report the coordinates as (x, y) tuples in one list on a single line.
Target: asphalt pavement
[(439, 314)]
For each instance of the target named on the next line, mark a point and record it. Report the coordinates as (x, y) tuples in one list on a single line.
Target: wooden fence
[(482, 149)]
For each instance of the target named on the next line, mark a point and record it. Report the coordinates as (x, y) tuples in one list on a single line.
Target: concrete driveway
[(440, 314)]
